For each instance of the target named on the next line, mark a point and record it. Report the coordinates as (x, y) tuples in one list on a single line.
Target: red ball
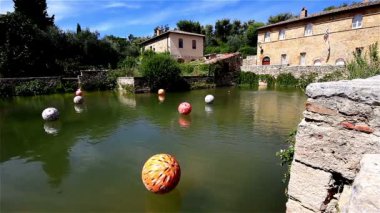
[(78, 92), (184, 108), (161, 173)]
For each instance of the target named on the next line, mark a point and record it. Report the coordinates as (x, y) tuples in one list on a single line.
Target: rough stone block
[(333, 148), (293, 206), (365, 195), (309, 186), (361, 90)]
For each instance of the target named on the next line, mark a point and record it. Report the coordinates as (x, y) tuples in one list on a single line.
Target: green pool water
[(90, 160)]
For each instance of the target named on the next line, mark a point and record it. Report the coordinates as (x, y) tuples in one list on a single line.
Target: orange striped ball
[(161, 173)]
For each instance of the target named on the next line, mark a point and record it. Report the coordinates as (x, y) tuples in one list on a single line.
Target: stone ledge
[(363, 90)]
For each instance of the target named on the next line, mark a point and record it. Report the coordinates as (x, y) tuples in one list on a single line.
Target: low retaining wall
[(341, 125), (297, 71)]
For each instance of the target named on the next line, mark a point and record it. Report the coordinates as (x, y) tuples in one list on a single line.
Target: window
[(267, 37), (281, 35), (180, 43), (150, 47), (194, 44), (308, 30), (317, 62), (357, 21), (303, 59), (359, 50), (284, 61), (340, 62)]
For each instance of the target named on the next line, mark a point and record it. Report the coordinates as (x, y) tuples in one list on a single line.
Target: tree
[(36, 11), (223, 29), (335, 7), (280, 17), (189, 26), (251, 33), (236, 28), (79, 28)]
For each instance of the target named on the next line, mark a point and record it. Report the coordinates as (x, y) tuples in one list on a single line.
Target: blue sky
[(124, 17)]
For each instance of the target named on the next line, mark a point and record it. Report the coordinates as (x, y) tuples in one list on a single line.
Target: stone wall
[(341, 124), (297, 71)]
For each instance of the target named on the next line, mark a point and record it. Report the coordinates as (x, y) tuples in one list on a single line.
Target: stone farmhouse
[(183, 46), (325, 38)]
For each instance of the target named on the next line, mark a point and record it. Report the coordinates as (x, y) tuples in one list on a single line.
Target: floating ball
[(161, 92), (78, 92), (184, 108), (78, 99), (161, 173), (209, 99), (50, 114)]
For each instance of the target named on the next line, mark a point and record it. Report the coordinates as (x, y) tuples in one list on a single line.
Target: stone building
[(184, 46), (325, 38)]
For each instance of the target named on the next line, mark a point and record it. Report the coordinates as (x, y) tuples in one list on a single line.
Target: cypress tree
[(36, 11)]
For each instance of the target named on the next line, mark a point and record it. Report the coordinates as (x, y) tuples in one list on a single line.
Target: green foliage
[(223, 29), (362, 67), (286, 155), (280, 17), (248, 78), (99, 81), (306, 79), (269, 79), (247, 50), (234, 42), (37, 87), (189, 26), (36, 11), (252, 33), (334, 76), (161, 71), (286, 79)]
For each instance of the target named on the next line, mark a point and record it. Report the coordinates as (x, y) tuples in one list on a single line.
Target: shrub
[(37, 87), (334, 76), (99, 81), (161, 71), (269, 79), (286, 155), (247, 50), (362, 67), (305, 80), (248, 78), (286, 79)]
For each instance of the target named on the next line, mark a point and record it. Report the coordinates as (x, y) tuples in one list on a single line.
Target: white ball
[(209, 99), (78, 99), (50, 114)]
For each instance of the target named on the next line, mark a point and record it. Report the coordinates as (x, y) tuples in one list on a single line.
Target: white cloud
[(122, 5)]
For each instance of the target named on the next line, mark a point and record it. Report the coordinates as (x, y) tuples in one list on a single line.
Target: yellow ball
[(161, 173)]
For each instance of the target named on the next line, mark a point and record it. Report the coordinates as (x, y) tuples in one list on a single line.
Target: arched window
[(317, 62), (281, 34), (340, 62), (357, 21), (308, 30), (266, 60), (180, 43), (267, 37)]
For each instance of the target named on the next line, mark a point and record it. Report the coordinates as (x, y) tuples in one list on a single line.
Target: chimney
[(365, 1), (303, 13), (158, 32)]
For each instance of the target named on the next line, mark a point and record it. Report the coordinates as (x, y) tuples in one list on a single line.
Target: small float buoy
[(161, 92), (78, 92), (50, 114), (161, 173), (209, 99), (184, 108), (78, 99)]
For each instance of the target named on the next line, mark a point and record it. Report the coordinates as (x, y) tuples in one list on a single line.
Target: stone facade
[(192, 44), (296, 71), (341, 125), (334, 36)]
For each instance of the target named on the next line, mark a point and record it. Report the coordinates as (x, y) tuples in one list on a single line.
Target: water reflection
[(127, 99), (208, 109), (79, 108), (161, 98), (171, 202), (52, 128), (184, 121)]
